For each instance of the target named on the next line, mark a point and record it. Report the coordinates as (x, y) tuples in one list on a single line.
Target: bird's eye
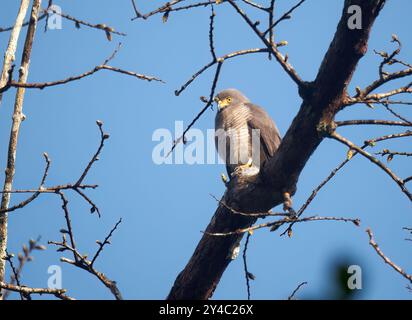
[(229, 99)]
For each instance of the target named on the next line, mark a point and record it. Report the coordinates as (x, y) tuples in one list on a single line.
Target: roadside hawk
[(245, 135)]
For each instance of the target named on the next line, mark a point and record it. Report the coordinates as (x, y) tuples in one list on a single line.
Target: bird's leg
[(287, 205), (239, 169)]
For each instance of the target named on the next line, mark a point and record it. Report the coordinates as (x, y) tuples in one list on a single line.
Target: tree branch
[(14, 133), (385, 258), (322, 100)]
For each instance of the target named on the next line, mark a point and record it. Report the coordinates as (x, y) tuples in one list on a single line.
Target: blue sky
[(165, 207)]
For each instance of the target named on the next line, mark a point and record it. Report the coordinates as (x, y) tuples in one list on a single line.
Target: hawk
[(245, 135)]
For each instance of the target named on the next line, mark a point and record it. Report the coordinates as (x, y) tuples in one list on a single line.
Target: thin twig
[(100, 26), (248, 276), (272, 48), (281, 222), (371, 158), (17, 119), (254, 214), (105, 242), (285, 16), (291, 297), (385, 258), (59, 293), (373, 122), (213, 62), (208, 104)]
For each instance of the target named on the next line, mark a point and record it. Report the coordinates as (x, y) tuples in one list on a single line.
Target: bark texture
[(322, 100), (18, 117)]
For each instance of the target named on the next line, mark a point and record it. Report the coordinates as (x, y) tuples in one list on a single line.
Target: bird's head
[(230, 97)]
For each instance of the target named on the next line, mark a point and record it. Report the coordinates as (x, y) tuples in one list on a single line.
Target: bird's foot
[(244, 169), (287, 205)]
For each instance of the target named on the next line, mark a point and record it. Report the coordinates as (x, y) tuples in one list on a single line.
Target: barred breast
[(233, 139)]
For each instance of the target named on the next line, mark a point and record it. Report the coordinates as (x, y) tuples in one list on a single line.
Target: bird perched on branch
[(245, 135)]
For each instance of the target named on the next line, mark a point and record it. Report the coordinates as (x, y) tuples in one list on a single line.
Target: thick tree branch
[(18, 117), (59, 293), (322, 100), (9, 55), (378, 250)]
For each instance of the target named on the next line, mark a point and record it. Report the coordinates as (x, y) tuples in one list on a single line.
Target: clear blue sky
[(164, 208)]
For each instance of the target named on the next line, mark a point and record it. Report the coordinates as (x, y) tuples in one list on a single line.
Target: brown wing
[(269, 134)]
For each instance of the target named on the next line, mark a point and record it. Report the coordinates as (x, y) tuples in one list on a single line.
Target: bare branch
[(292, 296), (104, 66), (256, 215), (281, 222), (373, 122), (100, 26), (23, 258), (285, 16), (213, 62), (248, 276), (385, 258), (371, 158), (35, 194), (9, 55), (59, 293), (105, 242), (208, 104), (14, 133), (80, 260), (272, 48)]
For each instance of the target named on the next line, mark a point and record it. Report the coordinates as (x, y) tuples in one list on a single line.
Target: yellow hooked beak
[(221, 103)]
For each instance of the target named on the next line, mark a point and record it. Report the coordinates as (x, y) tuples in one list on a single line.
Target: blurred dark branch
[(385, 258), (292, 296), (248, 276), (14, 278), (23, 258), (136, 11)]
